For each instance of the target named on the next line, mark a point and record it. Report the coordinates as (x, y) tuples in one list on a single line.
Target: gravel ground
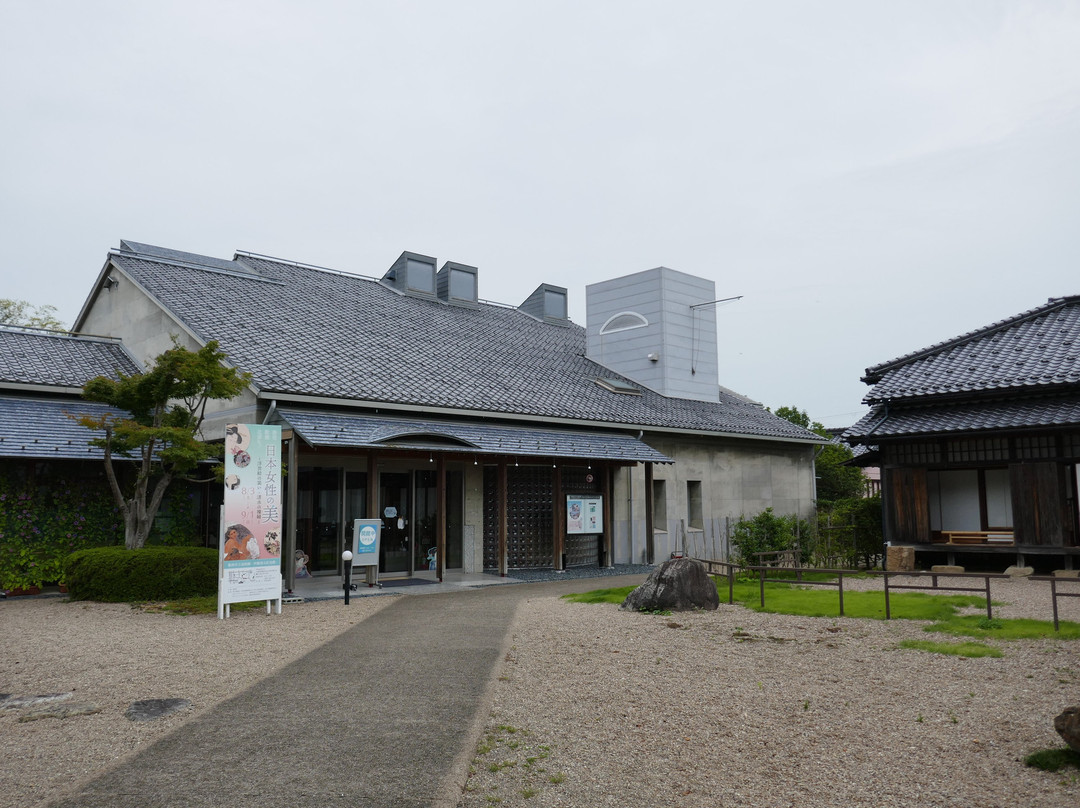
[(595, 707), (110, 655)]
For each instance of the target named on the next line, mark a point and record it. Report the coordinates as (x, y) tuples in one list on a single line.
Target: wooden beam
[(502, 499), (558, 505), (292, 508), (609, 528), (650, 539), (372, 506), (440, 516)]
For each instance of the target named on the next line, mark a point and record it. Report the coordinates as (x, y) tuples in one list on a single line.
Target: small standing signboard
[(367, 534), (250, 567)]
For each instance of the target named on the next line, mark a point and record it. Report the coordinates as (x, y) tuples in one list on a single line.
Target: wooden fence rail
[(728, 570), (986, 576), (1054, 594)]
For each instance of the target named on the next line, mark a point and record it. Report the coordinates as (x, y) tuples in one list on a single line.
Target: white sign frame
[(365, 548), (584, 515)]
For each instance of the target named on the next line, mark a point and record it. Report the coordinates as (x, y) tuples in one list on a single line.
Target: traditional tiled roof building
[(979, 439), (466, 425)]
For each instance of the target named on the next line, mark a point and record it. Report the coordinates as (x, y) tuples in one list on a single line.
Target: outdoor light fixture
[(347, 558), (110, 283)]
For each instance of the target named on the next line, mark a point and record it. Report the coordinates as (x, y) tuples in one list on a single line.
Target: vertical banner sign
[(251, 539)]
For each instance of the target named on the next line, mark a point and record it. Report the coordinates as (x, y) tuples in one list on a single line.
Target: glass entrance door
[(396, 513)]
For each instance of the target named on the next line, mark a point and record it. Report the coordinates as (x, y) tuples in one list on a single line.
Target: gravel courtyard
[(593, 706)]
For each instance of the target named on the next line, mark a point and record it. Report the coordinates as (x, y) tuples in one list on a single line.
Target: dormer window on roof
[(413, 274), (555, 304), (547, 303), (457, 284), (420, 276)]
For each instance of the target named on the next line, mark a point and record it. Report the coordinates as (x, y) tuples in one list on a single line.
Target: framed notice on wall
[(584, 515)]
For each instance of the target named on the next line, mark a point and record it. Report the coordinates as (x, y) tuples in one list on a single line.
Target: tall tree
[(835, 480), (20, 312), (167, 406)]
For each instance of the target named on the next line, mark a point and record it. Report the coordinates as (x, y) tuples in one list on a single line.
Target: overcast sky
[(871, 177)]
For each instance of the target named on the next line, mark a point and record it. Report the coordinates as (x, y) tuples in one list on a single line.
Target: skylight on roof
[(617, 386)]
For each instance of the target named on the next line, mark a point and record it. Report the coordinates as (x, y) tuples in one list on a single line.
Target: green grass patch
[(1052, 760), (941, 610), (818, 602), (615, 595), (1018, 629), (972, 650), (825, 602)]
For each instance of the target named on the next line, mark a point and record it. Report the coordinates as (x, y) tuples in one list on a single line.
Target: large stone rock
[(1068, 726), (1019, 572), (677, 585), (900, 559)]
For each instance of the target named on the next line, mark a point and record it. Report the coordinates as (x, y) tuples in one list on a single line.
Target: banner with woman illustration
[(251, 524)]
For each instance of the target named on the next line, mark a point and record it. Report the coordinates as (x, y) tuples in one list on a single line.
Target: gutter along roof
[(305, 331)]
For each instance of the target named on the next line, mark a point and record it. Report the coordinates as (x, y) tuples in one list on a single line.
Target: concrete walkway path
[(387, 714)]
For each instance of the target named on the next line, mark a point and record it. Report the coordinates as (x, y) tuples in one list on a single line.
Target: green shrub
[(766, 533), (849, 532), (117, 575), (44, 520)]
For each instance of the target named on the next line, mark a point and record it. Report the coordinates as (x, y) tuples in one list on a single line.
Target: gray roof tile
[(480, 438), (47, 358), (310, 331), (1038, 348), (976, 416), (45, 428)]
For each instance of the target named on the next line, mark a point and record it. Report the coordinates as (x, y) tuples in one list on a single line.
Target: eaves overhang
[(398, 407)]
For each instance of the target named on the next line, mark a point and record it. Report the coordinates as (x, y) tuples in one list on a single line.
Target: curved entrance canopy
[(347, 430)]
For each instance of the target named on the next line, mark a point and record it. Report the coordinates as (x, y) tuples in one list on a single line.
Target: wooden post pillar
[(558, 542), (503, 499), (650, 539), (609, 527), (372, 506), (292, 508), (440, 517)]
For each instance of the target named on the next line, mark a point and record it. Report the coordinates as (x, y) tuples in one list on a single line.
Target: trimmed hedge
[(119, 575)]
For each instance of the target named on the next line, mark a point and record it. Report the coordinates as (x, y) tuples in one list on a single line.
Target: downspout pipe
[(270, 412)]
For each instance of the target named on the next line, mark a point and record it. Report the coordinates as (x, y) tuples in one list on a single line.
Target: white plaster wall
[(738, 478), (147, 331)]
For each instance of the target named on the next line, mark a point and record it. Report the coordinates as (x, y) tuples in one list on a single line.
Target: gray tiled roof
[(309, 331), (1038, 348), (44, 428), (476, 437), (974, 416), (48, 358)]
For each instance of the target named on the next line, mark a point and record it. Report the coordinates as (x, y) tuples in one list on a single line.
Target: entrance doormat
[(406, 582)]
